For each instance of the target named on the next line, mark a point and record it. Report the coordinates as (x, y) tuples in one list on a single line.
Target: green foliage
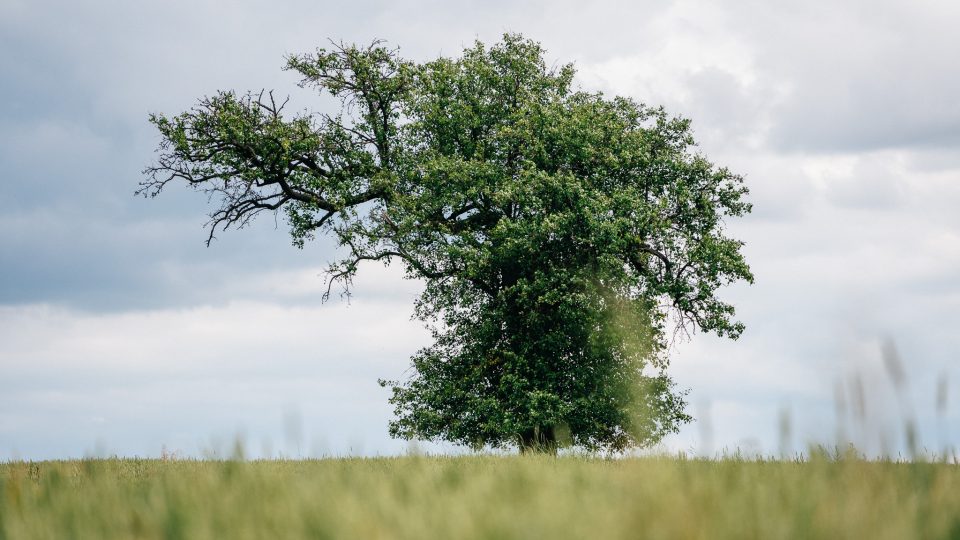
[(479, 497), (558, 232)]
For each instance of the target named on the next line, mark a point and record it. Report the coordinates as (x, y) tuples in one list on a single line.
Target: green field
[(480, 497)]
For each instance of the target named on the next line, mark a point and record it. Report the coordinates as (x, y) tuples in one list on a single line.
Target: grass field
[(479, 497)]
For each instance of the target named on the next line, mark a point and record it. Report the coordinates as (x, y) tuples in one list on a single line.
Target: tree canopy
[(558, 232)]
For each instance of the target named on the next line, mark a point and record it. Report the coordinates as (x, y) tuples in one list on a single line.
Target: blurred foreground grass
[(480, 497)]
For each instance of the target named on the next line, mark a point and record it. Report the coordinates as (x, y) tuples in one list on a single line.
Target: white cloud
[(183, 375)]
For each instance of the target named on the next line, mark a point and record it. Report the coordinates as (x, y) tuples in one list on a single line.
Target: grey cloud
[(872, 182), (75, 136), (933, 160), (804, 77), (724, 105), (858, 75), (108, 265), (846, 244)]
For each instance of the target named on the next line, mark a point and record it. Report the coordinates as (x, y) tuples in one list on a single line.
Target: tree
[(557, 232)]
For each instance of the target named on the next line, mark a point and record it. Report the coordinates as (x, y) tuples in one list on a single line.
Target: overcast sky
[(121, 333)]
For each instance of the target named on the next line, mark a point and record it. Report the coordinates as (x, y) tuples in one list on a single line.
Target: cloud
[(117, 323), (178, 376), (798, 76), (859, 75)]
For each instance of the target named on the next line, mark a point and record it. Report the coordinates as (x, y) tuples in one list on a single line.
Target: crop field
[(480, 497)]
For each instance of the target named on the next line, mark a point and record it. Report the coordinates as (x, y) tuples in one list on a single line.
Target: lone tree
[(558, 233)]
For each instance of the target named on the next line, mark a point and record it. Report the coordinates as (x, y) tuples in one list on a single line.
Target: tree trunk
[(540, 440)]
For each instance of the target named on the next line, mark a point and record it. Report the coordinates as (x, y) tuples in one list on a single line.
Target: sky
[(121, 333)]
